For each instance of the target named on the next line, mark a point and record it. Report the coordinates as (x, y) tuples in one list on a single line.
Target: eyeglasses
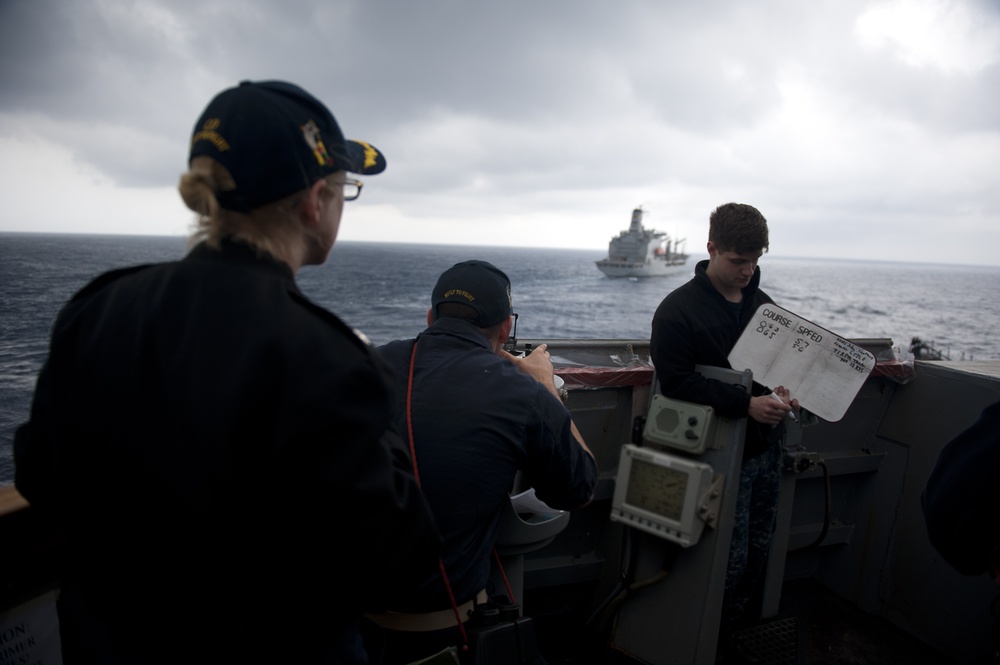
[(352, 189)]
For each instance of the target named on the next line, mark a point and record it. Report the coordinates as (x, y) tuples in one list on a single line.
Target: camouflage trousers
[(753, 528)]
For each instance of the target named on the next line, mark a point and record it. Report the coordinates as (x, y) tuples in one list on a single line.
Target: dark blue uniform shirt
[(477, 420)]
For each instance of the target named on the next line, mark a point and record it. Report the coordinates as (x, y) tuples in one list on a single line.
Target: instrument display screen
[(661, 493), (658, 489)]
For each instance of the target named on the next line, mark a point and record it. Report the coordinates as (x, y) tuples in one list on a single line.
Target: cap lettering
[(459, 292), (209, 134)]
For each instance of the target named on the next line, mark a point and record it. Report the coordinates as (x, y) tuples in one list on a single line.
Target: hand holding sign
[(821, 369)]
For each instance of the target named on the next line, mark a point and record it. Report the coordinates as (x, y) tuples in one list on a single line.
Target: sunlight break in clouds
[(932, 33)]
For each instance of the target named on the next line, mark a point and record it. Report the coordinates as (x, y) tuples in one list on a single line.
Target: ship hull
[(636, 269)]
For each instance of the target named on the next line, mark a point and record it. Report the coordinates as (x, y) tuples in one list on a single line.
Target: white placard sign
[(821, 369)]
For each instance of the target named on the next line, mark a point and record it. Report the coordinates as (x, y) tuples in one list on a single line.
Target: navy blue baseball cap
[(479, 285), (275, 139)]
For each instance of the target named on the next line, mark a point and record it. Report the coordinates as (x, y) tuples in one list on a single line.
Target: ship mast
[(636, 225)]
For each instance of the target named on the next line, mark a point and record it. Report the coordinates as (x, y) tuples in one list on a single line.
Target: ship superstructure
[(642, 252)]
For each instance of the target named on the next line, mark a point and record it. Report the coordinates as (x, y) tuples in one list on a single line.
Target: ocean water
[(384, 290)]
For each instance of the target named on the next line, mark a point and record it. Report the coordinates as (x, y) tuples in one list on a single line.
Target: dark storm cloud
[(855, 115)]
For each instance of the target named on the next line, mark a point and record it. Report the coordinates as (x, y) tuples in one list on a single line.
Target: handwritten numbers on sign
[(767, 329)]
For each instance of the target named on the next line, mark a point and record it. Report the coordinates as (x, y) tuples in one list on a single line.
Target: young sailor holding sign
[(699, 323)]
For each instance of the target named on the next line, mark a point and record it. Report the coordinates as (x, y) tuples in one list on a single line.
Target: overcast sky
[(860, 129)]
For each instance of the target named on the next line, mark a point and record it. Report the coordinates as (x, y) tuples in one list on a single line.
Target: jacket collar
[(464, 330), (701, 274)]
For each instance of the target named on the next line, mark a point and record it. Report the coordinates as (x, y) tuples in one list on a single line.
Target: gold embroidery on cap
[(371, 154), (459, 292), (209, 134)]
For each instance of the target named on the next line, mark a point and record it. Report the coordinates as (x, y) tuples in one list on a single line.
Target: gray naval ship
[(639, 579), (642, 252)]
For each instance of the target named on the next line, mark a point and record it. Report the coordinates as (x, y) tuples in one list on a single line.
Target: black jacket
[(696, 325), (215, 448), (960, 498)]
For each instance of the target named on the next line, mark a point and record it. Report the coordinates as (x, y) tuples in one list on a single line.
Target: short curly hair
[(738, 227)]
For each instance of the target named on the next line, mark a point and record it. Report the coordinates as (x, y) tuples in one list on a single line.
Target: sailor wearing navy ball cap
[(212, 444), (266, 141), (475, 416)]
